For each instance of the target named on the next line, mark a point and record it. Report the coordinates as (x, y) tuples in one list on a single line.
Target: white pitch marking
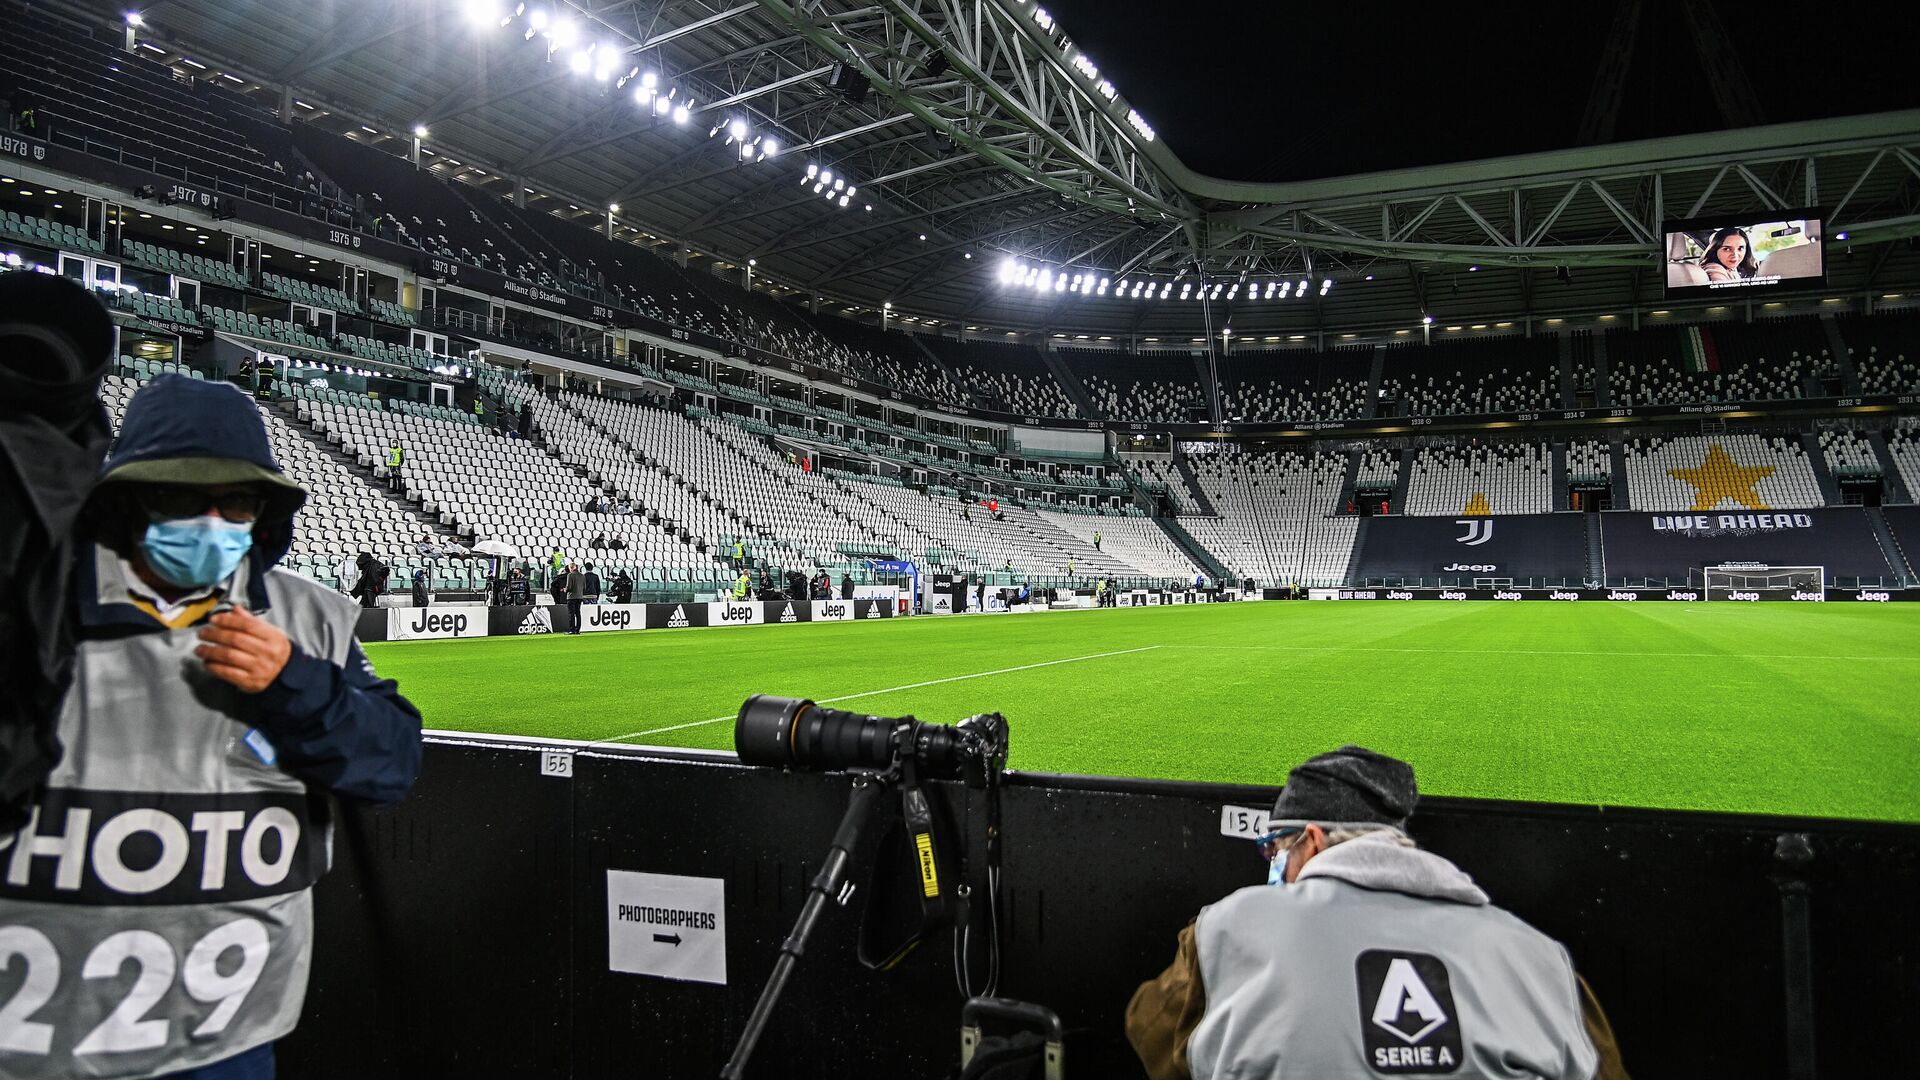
[(893, 689), (1540, 652)]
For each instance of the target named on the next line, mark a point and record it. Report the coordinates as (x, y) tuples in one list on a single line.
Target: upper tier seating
[(1455, 378)]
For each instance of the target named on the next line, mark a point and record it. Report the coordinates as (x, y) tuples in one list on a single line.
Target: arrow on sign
[(671, 939)]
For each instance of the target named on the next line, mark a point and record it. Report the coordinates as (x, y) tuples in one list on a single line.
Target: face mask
[(1277, 870), (197, 551)]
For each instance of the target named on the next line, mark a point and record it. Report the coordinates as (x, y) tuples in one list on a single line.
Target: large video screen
[(1781, 250)]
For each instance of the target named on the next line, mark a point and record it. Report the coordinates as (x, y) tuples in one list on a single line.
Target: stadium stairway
[(1569, 388), (1603, 390), (1893, 487), (1195, 492), (1359, 544), (1374, 371), (973, 400), (1071, 385), (1829, 487), (1194, 549), (1349, 485), (1596, 551), (1890, 546), (1842, 356), (1404, 480), (1618, 452), (1562, 497)]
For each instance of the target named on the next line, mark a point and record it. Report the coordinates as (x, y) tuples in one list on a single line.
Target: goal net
[(1722, 581)]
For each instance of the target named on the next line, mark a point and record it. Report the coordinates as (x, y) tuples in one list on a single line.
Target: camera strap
[(920, 838)]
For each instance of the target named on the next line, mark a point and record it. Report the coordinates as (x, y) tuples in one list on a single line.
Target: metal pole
[(1793, 855), (826, 885)]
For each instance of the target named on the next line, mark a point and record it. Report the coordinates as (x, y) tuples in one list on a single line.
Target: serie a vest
[(157, 909), (1325, 980)]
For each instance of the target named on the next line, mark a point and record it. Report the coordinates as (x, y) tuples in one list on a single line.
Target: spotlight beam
[(337, 41)]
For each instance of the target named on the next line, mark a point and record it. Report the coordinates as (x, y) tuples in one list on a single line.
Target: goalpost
[(1719, 582)]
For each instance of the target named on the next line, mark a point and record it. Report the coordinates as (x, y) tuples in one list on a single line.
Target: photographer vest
[(157, 908), (1328, 979)]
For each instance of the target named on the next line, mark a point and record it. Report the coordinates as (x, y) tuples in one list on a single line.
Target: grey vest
[(156, 913), (1325, 979)]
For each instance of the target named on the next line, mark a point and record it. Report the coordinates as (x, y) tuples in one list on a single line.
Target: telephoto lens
[(793, 733)]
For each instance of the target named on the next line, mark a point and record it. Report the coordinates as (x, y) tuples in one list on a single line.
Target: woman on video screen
[(1729, 256)]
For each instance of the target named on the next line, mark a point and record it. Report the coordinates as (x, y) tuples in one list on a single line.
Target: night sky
[(1294, 91)]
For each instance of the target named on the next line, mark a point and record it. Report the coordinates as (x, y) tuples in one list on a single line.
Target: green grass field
[(1805, 709)]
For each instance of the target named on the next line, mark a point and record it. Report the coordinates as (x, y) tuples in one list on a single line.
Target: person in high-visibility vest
[(741, 585), (739, 555), (1096, 539), (395, 456)]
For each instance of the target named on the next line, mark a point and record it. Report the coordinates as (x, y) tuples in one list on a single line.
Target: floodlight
[(649, 79), (1427, 319), (753, 262), (813, 169), (1326, 285), (537, 20), (923, 237), (844, 200), (817, 188), (852, 191), (737, 129), (613, 208), (839, 183), (769, 147), (869, 208), (480, 12), (746, 151), (641, 94), (1300, 289), (661, 105), (563, 33), (580, 62), (135, 20), (681, 113), (1060, 284), (419, 131)]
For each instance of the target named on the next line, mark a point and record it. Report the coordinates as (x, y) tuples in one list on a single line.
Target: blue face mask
[(197, 551)]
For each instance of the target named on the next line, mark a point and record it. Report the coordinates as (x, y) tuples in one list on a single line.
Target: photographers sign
[(667, 925)]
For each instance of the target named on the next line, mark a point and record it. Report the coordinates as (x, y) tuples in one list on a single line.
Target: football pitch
[(1800, 709)]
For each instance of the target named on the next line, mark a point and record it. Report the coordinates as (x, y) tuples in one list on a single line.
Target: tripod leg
[(825, 885)]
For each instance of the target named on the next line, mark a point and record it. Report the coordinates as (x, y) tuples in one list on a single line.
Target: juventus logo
[(1479, 531)]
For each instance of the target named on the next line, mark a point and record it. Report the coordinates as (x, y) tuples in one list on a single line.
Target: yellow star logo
[(1719, 478)]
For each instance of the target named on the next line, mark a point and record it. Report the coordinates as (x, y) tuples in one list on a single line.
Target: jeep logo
[(1747, 596), (833, 611), (1562, 594), (1452, 594), (1618, 594), (1880, 596), (1392, 594), (1801, 594), (610, 618), (1484, 567), (737, 613), (1683, 596), (1506, 596), (439, 624)]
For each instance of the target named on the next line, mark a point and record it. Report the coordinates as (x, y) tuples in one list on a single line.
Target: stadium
[(892, 357)]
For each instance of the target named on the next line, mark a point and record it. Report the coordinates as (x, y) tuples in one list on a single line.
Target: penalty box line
[(895, 689)]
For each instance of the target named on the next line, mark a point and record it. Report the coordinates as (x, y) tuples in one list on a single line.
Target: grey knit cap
[(1348, 786)]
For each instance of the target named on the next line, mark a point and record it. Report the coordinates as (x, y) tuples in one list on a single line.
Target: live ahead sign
[(667, 925)]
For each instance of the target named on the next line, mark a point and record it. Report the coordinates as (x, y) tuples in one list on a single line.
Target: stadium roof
[(987, 135)]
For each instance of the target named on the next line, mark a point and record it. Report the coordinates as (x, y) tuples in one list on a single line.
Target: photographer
[(1264, 982), (223, 699)]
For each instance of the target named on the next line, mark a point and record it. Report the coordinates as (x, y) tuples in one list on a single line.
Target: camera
[(794, 733)]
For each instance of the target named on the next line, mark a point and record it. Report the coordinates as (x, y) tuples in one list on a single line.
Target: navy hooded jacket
[(339, 727)]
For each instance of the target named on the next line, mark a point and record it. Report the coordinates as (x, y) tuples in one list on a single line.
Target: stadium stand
[(1158, 387), (1589, 461), (1696, 472), (1496, 375), (1879, 347), (1848, 455), (1505, 478), (1275, 520), (1713, 362), (1285, 386), (1006, 378)]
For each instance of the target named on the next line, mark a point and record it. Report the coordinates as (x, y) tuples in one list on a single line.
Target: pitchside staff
[(158, 903), (1365, 956)]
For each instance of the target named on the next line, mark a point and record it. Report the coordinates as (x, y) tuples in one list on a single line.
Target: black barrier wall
[(1669, 545), (1550, 546), (466, 932)]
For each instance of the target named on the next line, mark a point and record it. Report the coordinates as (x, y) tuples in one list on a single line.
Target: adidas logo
[(536, 622), (787, 615), (874, 611), (678, 618)]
